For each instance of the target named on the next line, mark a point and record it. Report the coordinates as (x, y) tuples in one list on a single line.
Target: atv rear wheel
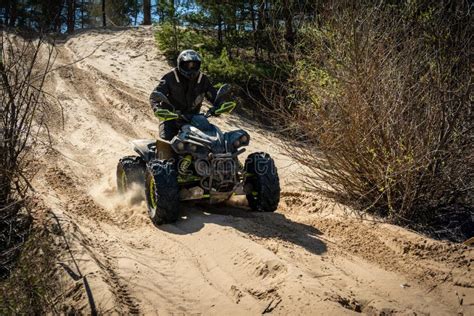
[(130, 170), (162, 192), (262, 179)]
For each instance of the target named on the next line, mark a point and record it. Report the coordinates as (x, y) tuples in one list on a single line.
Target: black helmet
[(189, 63)]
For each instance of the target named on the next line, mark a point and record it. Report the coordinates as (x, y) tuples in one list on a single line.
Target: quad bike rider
[(194, 159)]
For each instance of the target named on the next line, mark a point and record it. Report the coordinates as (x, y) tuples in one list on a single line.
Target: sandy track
[(215, 260)]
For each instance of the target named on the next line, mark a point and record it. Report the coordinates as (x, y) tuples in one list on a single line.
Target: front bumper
[(198, 193)]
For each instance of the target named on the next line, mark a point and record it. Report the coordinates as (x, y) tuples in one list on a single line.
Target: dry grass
[(384, 115), (32, 287), (26, 254)]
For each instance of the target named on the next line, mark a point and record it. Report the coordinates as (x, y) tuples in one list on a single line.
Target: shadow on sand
[(263, 225)]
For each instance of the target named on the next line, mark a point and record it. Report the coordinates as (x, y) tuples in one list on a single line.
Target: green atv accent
[(254, 193), (226, 107), (182, 180), (152, 193), (166, 115)]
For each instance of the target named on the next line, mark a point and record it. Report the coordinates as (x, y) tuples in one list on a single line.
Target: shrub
[(173, 39), (217, 62), (26, 255), (24, 63), (384, 97), (224, 69), (33, 286)]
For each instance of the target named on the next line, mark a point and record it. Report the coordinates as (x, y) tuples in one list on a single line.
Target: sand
[(308, 258)]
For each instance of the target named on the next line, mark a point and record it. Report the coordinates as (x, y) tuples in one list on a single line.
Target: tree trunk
[(174, 20), (290, 35), (261, 16), (135, 13), (7, 13), (254, 29), (104, 16), (82, 14), (261, 24), (13, 13), (57, 17), (172, 11), (146, 12), (71, 21), (219, 30)]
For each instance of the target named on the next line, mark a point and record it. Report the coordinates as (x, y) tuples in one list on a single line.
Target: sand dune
[(308, 258)]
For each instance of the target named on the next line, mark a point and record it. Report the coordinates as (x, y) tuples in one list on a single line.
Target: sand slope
[(223, 260)]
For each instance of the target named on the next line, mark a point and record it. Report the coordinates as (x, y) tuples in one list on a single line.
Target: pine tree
[(146, 12)]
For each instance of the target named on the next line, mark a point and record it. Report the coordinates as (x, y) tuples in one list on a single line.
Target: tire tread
[(267, 185), (166, 191)]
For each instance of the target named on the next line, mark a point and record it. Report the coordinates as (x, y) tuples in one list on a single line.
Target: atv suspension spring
[(184, 164)]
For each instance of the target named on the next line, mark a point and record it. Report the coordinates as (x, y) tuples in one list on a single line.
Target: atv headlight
[(180, 146), (238, 138)]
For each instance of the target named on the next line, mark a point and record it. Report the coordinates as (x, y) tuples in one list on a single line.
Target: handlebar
[(184, 118)]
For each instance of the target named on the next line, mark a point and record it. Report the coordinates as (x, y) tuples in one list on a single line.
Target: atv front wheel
[(262, 179), (162, 192), (130, 170)]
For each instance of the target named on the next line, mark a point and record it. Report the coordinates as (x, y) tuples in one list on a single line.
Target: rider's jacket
[(186, 95)]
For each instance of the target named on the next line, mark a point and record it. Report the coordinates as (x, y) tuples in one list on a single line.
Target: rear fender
[(146, 148)]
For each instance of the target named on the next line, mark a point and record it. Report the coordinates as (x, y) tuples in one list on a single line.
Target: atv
[(200, 163)]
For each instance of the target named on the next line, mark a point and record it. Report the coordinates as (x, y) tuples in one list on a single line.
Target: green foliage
[(173, 39), (52, 15), (217, 63), (308, 77), (383, 94), (224, 69)]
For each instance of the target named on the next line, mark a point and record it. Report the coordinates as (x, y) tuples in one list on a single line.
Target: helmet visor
[(191, 66)]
